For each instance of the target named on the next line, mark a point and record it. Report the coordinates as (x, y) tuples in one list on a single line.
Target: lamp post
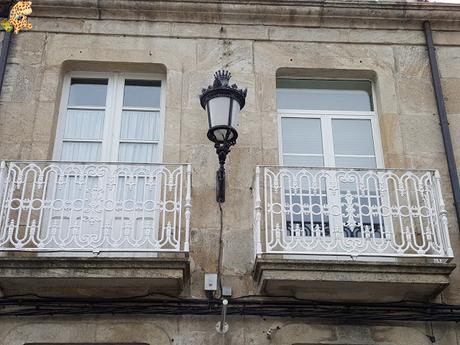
[(222, 103)]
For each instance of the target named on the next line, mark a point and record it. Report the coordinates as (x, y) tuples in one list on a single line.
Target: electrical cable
[(347, 312)]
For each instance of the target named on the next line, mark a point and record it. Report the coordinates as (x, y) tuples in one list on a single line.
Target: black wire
[(32, 306)]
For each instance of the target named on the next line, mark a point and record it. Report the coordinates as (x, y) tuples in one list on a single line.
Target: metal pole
[(6, 43), (222, 326), (222, 149), (444, 123)]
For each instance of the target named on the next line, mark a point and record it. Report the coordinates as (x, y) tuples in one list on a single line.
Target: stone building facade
[(181, 44)]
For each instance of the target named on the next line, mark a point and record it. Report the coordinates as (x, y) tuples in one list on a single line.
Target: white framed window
[(331, 123), (107, 122), (111, 117)]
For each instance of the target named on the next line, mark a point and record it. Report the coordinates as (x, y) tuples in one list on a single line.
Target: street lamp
[(222, 103)]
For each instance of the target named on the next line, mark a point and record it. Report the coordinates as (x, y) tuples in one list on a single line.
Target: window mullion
[(378, 151), (114, 118), (328, 141), (107, 116)]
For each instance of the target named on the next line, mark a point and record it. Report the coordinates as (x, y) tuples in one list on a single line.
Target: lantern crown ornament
[(221, 87), (223, 103)]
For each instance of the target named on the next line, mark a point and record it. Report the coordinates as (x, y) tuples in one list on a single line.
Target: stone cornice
[(312, 13)]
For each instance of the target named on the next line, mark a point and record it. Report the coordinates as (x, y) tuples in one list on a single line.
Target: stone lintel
[(105, 277), (354, 281)]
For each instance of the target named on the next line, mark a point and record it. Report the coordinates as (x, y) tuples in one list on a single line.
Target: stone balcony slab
[(354, 281), (93, 277)]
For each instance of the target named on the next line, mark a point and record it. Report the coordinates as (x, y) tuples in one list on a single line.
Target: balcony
[(80, 228), (350, 234)]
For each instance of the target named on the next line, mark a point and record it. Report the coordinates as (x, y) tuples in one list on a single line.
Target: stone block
[(17, 121), (29, 49), (308, 34), (45, 122), (128, 28), (448, 61), (412, 62), (63, 47), (450, 87), (220, 31), (391, 134), (205, 249), (70, 25), (234, 55), (421, 134), (269, 56), (51, 85), (390, 36), (239, 251), (40, 150), (265, 93), (14, 150), (416, 96)]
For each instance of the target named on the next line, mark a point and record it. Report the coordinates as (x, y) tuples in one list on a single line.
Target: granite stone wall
[(393, 57)]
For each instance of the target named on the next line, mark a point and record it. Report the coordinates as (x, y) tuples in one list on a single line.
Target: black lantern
[(222, 103)]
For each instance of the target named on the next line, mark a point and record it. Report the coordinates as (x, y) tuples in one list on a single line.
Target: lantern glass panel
[(219, 110), (235, 114)]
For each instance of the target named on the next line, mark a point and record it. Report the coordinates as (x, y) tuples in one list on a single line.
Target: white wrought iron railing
[(94, 207), (350, 212)]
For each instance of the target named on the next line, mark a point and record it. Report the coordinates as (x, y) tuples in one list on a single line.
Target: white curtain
[(139, 126), (82, 126)]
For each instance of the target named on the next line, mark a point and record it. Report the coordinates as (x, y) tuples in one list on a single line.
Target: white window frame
[(111, 131), (326, 117), (113, 112)]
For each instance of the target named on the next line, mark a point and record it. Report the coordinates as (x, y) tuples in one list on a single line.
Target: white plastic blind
[(302, 142), (312, 94), (353, 143)]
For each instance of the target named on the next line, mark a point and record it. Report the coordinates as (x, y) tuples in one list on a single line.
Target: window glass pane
[(81, 151), (309, 94), (140, 125), (142, 93), (88, 92), (138, 153), (353, 137), (355, 162), (303, 161), (84, 124), (301, 136)]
